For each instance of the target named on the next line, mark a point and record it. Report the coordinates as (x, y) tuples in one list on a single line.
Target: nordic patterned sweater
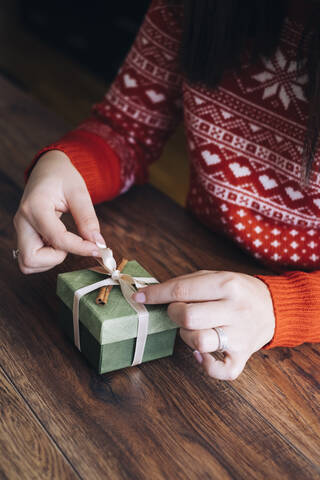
[(245, 142)]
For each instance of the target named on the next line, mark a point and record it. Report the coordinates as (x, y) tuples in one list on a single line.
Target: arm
[(127, 130)]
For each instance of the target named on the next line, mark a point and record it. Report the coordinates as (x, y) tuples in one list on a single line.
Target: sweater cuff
[(93, 158), (295, 297)]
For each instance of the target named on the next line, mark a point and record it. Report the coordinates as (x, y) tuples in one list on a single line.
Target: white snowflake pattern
[(275, 243), (241, 213), (240, 226), (257, 243), (279, 79)]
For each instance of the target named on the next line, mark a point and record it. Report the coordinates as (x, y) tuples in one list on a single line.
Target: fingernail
[(99, 240), (197, 355), (139, 297), (95, 253)]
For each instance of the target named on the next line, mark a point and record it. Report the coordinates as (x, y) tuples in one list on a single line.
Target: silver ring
[(15, 253), (223, 339)]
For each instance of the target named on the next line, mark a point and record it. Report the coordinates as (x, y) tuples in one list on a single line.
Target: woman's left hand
[(199, 302)]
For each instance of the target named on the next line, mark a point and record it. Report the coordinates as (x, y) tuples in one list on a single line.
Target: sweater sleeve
[(127, 130), (296, 303)]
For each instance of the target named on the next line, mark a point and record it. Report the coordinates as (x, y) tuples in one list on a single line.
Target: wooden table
[(161, 420)]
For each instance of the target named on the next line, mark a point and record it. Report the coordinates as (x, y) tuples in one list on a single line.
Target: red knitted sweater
[(245, 142)]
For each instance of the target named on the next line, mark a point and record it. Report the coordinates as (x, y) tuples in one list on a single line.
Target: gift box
[(108, 333)]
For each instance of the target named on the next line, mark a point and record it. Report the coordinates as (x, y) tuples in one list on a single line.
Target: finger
[(54, 232), (39, 260), (142, 299), (204, 287), (198, 316), (34, 256), (204, 341), (228, 369), (84, 215), (30, 271)]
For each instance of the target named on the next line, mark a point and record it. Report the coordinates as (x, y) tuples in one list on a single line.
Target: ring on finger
[(223, 339), (15, 253)]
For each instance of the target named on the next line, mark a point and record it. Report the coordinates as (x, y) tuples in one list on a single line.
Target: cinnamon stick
[(104, 292)]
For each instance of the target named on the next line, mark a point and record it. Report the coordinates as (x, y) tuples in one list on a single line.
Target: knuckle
[(171, 310), (27, 260), (204, 271), (188, 317), (24, 209), (32, 205), (180, 291), (232, 285), (199, 343)]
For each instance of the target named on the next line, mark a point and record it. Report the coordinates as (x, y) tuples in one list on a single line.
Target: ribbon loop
[(127, 285), (115, 275)]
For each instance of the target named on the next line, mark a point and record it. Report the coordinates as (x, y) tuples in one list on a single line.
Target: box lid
[(115, 321)]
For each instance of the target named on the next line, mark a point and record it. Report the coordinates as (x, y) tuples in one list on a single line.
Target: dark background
[(65, 54), (96, 33)]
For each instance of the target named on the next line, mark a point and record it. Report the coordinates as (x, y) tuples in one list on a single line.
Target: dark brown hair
[(216, 33)]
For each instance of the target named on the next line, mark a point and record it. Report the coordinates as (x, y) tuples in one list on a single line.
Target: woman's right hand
[(54, 187)]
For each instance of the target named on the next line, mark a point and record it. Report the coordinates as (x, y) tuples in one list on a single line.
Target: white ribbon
[(127, 284)]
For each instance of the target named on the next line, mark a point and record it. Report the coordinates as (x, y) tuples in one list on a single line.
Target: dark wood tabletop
[(161, 420)]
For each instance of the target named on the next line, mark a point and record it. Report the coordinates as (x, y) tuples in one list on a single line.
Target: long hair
[(216, 33)]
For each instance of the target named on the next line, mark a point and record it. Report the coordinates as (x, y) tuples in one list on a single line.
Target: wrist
[(267, 316), (56, 156)]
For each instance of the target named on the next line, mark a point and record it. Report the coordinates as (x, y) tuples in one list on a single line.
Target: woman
[(251, 115)]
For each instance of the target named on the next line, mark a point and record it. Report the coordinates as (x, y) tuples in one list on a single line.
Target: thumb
[(84, 215)]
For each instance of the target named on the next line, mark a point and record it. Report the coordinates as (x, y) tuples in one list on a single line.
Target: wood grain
[(164, 419), (26, 449)]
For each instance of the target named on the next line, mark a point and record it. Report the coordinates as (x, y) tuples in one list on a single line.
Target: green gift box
[(108, 332)]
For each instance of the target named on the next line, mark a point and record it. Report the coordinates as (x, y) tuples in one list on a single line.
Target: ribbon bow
[(128, 285)]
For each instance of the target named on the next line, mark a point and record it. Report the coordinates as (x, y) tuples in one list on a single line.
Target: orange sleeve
[(296, 303), (93, 158)]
